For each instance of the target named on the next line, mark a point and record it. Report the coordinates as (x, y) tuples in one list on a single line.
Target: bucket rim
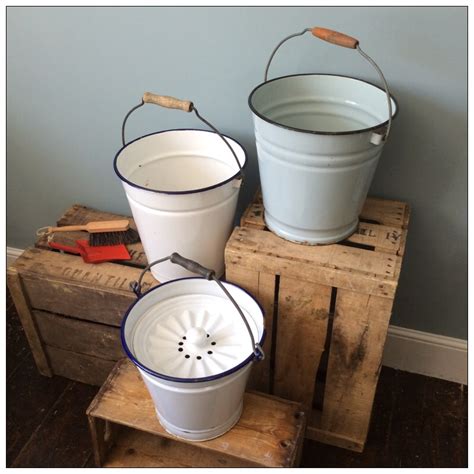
[(180, 379), (191, 191), (316, 132)]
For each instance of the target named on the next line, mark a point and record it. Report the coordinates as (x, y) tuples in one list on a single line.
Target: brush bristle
[(129, 236)]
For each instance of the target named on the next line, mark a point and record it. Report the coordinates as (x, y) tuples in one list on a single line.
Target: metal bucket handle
[(208, 274), (345, 41), (173, 103)]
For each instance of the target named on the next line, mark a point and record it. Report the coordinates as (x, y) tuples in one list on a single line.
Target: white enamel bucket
[(191, 344), (319, 138), (182, 187)]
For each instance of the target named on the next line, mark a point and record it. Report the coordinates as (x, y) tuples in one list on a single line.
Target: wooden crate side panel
[(66, 267), (23, 308), (77, 300), (81, 367), (355, 358), (267, 432), (303, 310), (64, 284), (97, 340), (335, 265), (360, 262), (262, 287)]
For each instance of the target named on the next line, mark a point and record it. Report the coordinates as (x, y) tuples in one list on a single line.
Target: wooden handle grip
[(93, 227), (335, 37), (167, 101)]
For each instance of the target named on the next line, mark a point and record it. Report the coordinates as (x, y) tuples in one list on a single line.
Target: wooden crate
[(70, 310), (126, 433), (327, 313)]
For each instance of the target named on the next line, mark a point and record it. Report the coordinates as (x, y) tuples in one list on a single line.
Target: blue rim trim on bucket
[(178, 379), (316, 132), (200, 190)]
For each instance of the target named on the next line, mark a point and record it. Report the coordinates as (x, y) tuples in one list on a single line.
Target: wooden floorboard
[(64, 431), (417, 421)]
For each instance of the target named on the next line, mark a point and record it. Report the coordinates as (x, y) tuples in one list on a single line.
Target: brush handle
[(65, 248), (94, 227)]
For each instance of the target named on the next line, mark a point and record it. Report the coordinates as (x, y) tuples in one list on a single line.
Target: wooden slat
[(382, 238), (303, 310), (355, 358), (267, 433), (253, 216), (24, 313), (134, 448), (385, 212), (329, 437), (97, 429), (262, 287), (97, 340), (81, 367), (331, 265), (64, 284)]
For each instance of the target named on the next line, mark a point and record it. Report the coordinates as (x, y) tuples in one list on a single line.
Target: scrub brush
[(101, 232)]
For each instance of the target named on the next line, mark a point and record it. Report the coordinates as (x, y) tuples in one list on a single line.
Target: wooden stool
[(126, 432)]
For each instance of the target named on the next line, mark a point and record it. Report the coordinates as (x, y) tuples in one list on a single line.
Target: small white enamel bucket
[(182, 187), (194, 342), (319, 138)]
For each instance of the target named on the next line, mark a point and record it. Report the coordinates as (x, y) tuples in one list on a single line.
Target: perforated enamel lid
[(195, 335)]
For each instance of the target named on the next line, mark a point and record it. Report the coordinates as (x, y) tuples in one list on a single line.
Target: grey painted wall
[(73, 73)]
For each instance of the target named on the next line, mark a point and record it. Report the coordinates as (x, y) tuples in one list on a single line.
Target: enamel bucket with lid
[(319, 138), (194, 341), (182, 187)]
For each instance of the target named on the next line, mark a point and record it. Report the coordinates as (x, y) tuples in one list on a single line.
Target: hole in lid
[(198, 357), (187, 356), (180, 343), (213, 343), (207, 335), (180, 349), (209, 352), (184, 337)]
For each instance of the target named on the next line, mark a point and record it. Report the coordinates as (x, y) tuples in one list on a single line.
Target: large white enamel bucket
[(182, 187), (193, 350), (319, 138)]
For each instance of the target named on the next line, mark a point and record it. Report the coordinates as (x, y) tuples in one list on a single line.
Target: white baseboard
[(424, 353), (405, 349), (12, 255)]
